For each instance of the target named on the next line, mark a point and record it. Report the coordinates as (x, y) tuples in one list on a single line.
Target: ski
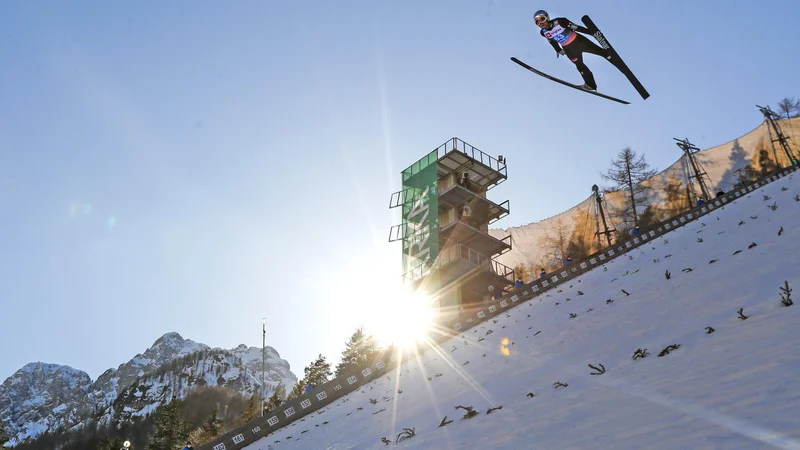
[(574, 86), (606, 45)]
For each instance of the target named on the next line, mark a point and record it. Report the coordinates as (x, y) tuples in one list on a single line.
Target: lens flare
[(402, 319)]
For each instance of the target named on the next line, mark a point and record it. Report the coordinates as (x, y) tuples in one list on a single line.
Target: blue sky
[(195, 166)]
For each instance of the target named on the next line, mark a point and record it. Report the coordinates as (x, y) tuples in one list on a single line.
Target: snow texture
[(710, 380)]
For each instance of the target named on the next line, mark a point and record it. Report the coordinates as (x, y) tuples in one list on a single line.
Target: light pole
[(126, 445), (263, 360)]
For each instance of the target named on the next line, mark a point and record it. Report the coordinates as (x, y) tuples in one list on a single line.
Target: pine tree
[(171, 429), (110, 443), (627, 173), (651, 216), (765, 164), (738, 160), (3, 436), (250, 411), (314, 375), (298, 389), (318, 372), (750, 174), (359, 352), (213, 425), (277, 398)]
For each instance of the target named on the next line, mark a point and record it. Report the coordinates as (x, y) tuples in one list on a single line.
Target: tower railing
[(473, 152), (458, 252)]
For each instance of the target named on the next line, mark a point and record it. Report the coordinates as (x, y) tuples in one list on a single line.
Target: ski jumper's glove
[(560, 53)]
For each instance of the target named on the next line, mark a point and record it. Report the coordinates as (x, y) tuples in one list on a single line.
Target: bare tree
[(790, 107), (627, 173), (555, 244)]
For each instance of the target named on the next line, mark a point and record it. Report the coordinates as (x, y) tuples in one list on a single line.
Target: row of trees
[(361, 350), (202, 415), (628, 176)]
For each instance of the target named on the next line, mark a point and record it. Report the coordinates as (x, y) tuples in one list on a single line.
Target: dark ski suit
[(563, 34)]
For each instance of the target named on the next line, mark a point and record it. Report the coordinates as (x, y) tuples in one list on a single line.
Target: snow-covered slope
[(710, 379), (163, 350), (277, 369), (44, 396), (181, 375), (41, 397), (720, 163)]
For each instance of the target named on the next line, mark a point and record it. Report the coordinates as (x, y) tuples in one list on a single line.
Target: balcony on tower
[(448, 252)]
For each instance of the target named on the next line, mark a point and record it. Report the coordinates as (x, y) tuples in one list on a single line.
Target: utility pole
[(598, 201), (697, 172), (263, 361), (781, 138)]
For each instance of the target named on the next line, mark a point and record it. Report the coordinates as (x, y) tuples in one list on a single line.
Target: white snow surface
[(735, 388)]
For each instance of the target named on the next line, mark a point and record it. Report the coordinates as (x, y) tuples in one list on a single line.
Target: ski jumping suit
[(562, 33)]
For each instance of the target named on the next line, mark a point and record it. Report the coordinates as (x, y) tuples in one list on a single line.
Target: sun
[(401, 319), (373, 297)]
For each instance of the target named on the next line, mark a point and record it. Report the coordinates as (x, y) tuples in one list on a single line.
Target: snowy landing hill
[(41, 397), (683, 343), (720, 163)]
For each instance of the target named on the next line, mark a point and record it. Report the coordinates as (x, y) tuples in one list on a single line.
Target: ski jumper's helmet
[(540, 16)]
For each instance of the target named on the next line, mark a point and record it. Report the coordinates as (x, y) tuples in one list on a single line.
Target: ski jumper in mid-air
[(563, 36)]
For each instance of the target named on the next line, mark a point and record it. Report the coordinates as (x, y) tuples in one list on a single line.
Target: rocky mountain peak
[(43, 397)]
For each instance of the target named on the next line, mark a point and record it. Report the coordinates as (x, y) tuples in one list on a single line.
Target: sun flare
[(402, 319)]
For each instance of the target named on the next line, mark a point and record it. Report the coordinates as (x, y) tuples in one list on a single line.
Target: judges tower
[(448, 253)]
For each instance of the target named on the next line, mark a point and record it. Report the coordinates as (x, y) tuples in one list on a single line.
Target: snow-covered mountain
[(41, 397), (164, 350), (720, 163), (681, 343)]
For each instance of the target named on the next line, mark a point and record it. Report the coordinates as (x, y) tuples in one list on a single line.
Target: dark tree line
[(205, 414)]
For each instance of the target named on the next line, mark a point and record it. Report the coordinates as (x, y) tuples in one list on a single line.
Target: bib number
[(559, 34)]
